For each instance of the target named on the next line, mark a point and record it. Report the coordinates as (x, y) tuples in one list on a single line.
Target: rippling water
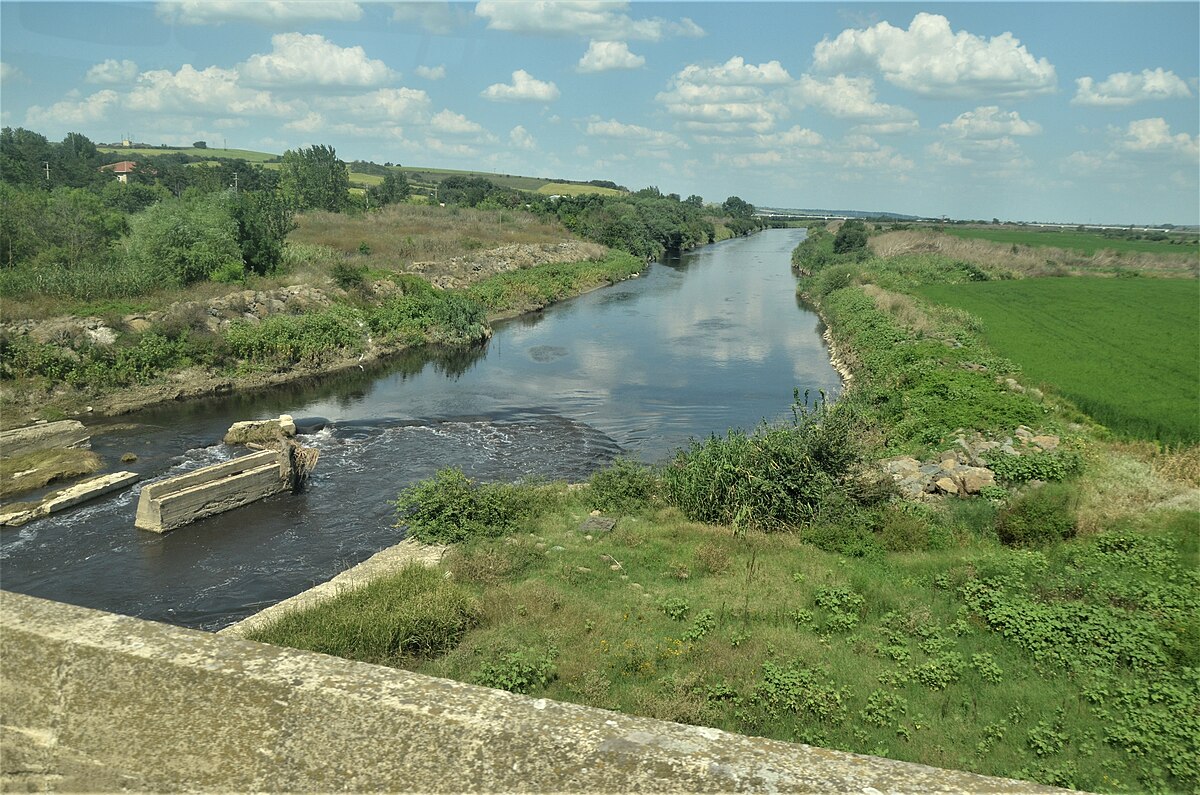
[(710, 341)]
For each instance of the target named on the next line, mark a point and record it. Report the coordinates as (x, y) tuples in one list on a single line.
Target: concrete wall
[(94, 701)]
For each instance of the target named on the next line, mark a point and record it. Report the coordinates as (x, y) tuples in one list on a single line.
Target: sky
[(1074, 112)]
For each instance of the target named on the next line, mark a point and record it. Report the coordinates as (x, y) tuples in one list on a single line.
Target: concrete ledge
[(100, 702)]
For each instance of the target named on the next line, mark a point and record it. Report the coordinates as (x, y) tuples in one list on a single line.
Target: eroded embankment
[(499, 283)]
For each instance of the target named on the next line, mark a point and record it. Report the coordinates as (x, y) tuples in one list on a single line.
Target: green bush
[(349, 276), (450, 508), (182, 241), (624, 485), (1038, 516), (774, 478), (517, 672), (1035, 466)]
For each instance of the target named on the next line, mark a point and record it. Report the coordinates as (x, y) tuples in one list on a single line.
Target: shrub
[(1038, 516), (1035, 466), (349, 276), (624, 485), (183, 241), (450, 508), (773, 478), (517, 672)]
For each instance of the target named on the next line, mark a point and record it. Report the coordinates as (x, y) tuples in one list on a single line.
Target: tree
[(851, 237), (735, 207), (694, 200), (185, 240), (199, 144), (392, 190), (263, 220), (314, 178)]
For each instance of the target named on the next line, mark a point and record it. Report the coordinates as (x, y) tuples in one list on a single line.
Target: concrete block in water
[(261, 431), (180, 500), (43, 436), (71, 496)]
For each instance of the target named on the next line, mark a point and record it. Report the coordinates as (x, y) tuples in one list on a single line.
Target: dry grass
[(1130, 479), (402, 234), (573, 189), (904, 309), (1029, 260)]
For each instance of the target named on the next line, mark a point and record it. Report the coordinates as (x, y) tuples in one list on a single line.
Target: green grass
[(1085, 242), (240, 154), (1126, 351), (575, 189), (976, 657)]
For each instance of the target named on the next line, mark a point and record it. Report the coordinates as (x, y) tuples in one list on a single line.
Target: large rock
[(972, 479)]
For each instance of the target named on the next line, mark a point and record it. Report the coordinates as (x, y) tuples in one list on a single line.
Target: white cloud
[(847, 98), (930, 59), (299, 59), (192, 90), (990, 122), (450, 123), (597, 19), (603, 56), (524, 88), (9, 72), (520, 138), (632, 132), (276, 13), (311, 122), (431, 72), (1154, 135), (440, 18), (731, 98), (408, 105), (73, 110), (1125, 88), (889, 127), (796, 136), (736, 72), (112, 71)]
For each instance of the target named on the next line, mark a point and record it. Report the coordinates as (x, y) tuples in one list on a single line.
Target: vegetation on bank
[(770, 582)]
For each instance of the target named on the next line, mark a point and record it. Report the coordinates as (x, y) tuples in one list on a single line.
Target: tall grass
[(401, 234)]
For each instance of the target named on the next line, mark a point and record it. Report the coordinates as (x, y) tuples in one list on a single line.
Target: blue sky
[(1079, 112)]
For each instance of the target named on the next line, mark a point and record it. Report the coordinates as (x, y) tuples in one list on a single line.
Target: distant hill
[(841, 213)]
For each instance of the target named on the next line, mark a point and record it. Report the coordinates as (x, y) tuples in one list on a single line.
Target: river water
[(708, 341)]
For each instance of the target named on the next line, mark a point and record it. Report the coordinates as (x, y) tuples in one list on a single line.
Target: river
[(707, 341)]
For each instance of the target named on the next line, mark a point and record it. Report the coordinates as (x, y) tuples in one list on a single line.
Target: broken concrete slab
[(172, 503), (261, 431), (42, 436), (69, 497)]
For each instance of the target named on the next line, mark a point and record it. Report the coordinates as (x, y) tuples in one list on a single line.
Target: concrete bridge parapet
[(93, 701)]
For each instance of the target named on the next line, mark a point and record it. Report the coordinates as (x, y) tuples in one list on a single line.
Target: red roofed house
[(122, 169)]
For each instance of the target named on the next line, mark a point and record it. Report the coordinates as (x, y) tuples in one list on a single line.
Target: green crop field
[(1085, 242), (240, 154), (1126, 351), (575, 189)]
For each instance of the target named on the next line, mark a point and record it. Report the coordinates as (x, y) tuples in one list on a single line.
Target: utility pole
[(235, 183), (46, 165)]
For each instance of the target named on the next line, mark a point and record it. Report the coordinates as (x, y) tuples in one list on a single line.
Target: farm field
[(1085, 242), (575, 189), (242, 154), (1126, 351)]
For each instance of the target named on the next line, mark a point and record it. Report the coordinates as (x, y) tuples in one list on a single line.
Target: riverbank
[(1045, 631), (371, 321)]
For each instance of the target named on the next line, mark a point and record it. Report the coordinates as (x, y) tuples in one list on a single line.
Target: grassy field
[(405, 233), (575, 189), (240, 154), (1084, 242), (1126, 351), (973, 658)]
